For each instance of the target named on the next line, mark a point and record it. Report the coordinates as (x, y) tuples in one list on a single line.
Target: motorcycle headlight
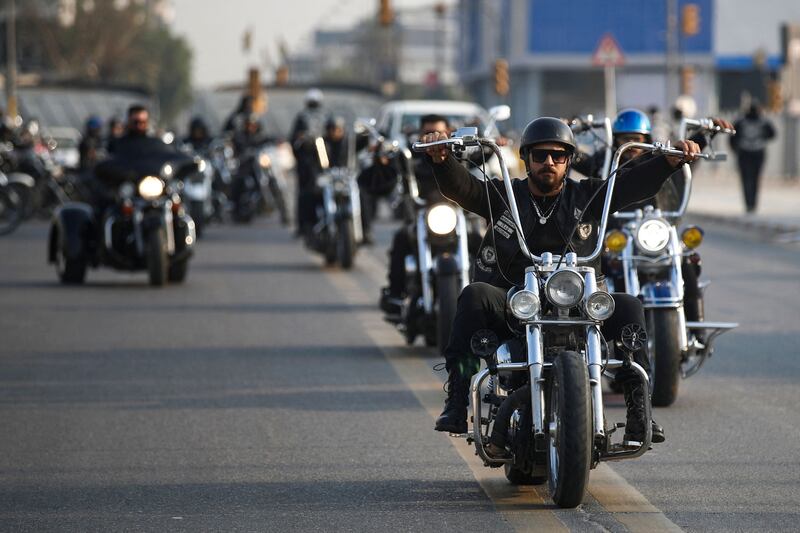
[(201, 165), (442, 219), (264, 160), (151, 187), (167, 171), (564, 288), (652, 236), (599, 305), (524, 304)]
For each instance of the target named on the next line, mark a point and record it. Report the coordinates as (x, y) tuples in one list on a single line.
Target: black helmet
[(544, 130)]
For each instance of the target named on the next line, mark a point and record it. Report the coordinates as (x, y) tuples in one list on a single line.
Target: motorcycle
[(146, 228), (258, 186), (197, 190), (540, 399), (11, 206), (648, 257), (338, 230), (434, 282)]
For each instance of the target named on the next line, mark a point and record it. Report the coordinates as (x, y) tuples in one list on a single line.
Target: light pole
[(11, 60)]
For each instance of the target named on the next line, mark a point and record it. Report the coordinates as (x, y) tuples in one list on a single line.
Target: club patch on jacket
[(584, 231), (505, 225), (487, 258)]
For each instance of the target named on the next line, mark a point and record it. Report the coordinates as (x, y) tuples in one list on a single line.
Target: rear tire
[(70, 271), (569, 430), (178, 270), (157, 260), (447, 291), (666, 356)]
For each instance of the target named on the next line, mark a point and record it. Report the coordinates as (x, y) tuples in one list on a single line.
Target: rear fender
[(21, 178)]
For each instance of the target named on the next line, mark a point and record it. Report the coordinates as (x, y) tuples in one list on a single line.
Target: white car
[(399, 119), (64, 142)]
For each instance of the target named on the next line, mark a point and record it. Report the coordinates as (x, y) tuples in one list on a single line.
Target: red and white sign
[(608, 53)]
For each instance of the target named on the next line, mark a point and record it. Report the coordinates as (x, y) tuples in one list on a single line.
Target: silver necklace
[(543, 218)]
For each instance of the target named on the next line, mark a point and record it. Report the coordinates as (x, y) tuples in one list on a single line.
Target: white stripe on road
[(526, 508)]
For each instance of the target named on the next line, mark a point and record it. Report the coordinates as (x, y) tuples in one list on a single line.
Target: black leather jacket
[(502, 263)]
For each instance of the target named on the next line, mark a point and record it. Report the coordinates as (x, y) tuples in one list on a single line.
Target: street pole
[(672, 52), (610, 75), (11, 61)]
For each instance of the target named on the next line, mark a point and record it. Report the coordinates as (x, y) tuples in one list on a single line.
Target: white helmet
[(314, 96)]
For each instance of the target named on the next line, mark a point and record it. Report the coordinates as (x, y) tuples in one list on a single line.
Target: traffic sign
[(608, 53)]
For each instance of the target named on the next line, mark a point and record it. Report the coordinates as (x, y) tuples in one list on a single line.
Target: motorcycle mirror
[(467, 133), (499, 113)]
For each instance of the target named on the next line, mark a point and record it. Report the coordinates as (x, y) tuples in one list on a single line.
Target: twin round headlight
[(442, 219), (599, 305), (151, 187)]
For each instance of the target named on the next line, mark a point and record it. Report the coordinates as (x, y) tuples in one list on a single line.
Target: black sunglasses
[(559, 157)]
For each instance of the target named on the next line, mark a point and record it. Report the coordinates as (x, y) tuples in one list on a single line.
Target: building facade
[(733, 47)]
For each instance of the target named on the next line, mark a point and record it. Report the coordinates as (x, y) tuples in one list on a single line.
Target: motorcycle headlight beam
[(564, 288), (442, 219), (599, 305), (151, 187), (652, 235)]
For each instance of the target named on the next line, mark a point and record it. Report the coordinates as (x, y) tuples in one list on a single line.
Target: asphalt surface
[(257, 397)]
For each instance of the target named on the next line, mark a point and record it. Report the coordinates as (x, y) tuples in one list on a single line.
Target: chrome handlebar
[(704, 124)]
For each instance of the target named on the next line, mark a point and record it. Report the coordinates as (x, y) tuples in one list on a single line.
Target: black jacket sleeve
[(588, 165), (636, 184), (458, 185)]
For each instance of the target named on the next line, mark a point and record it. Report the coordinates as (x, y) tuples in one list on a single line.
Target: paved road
[(267, 395)]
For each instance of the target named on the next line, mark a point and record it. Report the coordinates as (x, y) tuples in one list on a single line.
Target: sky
[(214, 29)]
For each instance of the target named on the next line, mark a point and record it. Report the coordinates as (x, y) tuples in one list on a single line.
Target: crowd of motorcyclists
[(461, 248)]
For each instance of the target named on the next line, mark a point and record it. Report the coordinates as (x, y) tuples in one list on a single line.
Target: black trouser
[(692, 298), (750, 164), (483, 306)]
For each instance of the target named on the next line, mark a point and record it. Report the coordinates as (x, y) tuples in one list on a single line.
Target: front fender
[(74, 222), (21, 178), (446, 264)]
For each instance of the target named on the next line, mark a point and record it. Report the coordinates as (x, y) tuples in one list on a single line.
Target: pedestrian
[(753, 131)]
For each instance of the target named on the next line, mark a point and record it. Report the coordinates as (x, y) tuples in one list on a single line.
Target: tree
[(116, 42)]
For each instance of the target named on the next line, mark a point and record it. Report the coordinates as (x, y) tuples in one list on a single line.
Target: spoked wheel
[(569, 430)]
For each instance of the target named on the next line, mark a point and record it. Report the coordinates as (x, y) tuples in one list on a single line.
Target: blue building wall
[(576, 26)]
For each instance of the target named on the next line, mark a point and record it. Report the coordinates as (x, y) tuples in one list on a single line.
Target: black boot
[(634, 426), (454, 417)]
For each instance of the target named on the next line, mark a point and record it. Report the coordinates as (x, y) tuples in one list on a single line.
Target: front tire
[(447, 290), (570, 430), (197, 212), (157, 260), (666, 356), (345, 244)]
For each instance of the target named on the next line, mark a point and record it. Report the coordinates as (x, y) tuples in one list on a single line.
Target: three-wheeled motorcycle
[(140, 225)]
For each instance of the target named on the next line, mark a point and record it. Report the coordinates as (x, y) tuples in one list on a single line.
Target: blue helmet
[(94, 123), (632, 121)]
